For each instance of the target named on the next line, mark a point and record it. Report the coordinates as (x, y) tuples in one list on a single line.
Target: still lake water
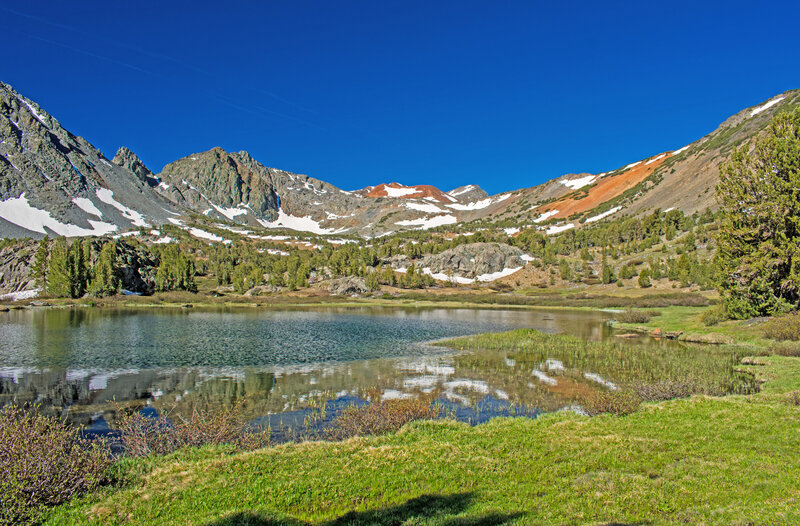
[(74, 361)]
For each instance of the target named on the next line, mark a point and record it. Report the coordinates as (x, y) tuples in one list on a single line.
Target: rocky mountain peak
[(130, 161), (468, 193)]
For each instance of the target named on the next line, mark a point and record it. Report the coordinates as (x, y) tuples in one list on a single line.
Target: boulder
[(347, 286), (475, 259)]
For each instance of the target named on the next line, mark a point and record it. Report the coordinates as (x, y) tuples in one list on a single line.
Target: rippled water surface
[(74, 361)]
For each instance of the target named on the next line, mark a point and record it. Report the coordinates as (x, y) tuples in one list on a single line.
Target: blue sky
[(500, 94)]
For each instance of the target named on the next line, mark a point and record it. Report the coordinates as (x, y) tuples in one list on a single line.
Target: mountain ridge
[(55, 183)]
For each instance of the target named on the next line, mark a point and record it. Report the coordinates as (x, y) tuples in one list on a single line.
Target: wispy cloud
[(90, 54)]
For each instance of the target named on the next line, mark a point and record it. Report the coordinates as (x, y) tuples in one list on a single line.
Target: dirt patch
[(604, 189), (420, 191)]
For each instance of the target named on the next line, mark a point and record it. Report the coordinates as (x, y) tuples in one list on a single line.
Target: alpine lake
[(285, 365)]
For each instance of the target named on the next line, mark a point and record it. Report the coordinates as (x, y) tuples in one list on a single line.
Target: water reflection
[(75, 361)]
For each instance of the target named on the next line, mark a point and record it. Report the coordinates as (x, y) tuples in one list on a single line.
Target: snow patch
[(35, 113), (464, 190), (607, 213), (394, 394), (87, 206), (107, 196), (162, 240), (557, 229), (423, 207), (545, 216), (554, 365), (20, 295), (399, 192), (479, 205), (230, 213), (766, 106), (202, 234), (681, 150), (20, 212), (424, 223), (575, 184), (632, 165), (302, 224), (654, 159), (511, 230)]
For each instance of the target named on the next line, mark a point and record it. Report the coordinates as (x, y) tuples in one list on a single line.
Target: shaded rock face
[(16, 262), (475, 259), (137, 268), (347, 286)]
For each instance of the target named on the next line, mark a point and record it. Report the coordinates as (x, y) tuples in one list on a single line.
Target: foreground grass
[(731, 460)]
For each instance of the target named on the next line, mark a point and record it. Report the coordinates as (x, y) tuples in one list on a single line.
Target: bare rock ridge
[(55, 183)]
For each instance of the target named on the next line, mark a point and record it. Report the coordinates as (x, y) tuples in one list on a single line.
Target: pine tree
[(39, 270), (758, 241), (58, 270), (106, 281), (372, 280), (77, 269), (644, 279)]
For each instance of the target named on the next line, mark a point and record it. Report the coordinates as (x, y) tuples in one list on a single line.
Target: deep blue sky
[(502, 94)]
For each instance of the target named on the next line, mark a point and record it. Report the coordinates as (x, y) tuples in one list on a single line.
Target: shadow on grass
[(420, 508)]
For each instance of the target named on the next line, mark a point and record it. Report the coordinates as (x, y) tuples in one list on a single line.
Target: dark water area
[(282, 364)]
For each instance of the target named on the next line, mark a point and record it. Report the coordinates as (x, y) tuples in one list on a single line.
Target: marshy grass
[(636, 316), (654, 372)]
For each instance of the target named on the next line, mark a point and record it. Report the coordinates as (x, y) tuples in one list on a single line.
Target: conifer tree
[(758, 241), (106, 280), (59, 270), (644, 279), (39, 270)]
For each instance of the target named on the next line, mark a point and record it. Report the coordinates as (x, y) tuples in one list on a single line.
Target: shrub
[(784, 328), (784, 349), (633, 316), (380, 417), (793, 398), (714, 315), (43, 463), (143, 435), (665, 390), (618, 403)]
